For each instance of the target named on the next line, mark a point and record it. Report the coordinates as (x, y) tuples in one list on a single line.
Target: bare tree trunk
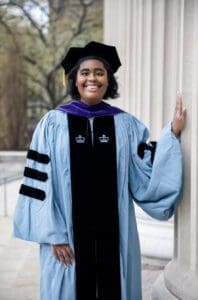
[(13, 104)]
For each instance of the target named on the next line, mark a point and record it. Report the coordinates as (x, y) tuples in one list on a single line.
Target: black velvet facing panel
[(35, 174), (95, 208), (32, 192), (39, 157)]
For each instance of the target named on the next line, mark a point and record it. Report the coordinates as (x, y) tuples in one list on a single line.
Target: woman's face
[(91, 81)]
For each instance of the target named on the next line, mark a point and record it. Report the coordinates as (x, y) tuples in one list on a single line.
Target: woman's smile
[(92, 87)]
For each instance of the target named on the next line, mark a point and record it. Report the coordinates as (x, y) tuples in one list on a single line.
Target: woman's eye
[(85, 73), (99, 73)]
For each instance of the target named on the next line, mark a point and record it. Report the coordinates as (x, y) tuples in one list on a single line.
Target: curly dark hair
[(112, 89)]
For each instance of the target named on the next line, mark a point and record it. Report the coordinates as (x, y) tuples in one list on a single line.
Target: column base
[(160, 291), (175, 283)]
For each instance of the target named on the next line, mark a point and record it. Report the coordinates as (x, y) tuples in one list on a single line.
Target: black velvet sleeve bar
[(39, 157), (32, 192), (35, 174)]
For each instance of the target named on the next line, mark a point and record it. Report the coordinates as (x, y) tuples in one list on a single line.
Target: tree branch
[(36, 3), (33, 62), (28, 16), (11, 33), (33, 79), (77, 32)]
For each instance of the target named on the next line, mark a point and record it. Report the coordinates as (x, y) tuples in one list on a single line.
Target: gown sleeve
[(38, 216), (155, 181)]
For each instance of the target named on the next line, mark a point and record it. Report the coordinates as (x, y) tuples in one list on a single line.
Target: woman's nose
[(91, 76)]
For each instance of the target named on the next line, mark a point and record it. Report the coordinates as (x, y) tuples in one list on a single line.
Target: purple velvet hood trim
[(79, 108)]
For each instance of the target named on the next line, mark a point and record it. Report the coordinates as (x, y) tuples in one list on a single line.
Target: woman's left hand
[(179, 117)]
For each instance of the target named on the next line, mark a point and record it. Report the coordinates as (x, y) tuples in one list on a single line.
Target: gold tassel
[(64, 79)]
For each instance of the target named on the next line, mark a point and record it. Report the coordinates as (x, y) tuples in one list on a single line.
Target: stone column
[(180, 278), (139, 32), (158, 44)]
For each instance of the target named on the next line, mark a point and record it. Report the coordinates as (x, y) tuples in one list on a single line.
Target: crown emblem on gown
[(103, 138), (80, 139)]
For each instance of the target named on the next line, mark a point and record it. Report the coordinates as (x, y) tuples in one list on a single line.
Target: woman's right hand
[(63, 254)]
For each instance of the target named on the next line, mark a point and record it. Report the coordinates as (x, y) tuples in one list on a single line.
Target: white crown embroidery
[(103, 139), (80, 139)]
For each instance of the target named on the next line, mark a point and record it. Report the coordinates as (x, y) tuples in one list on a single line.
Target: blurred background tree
[(35, 35)]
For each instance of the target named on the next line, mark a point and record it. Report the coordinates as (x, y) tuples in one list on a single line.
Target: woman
[(86, 163)]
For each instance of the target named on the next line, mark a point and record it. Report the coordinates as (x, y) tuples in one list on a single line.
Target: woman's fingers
[(179, 116), (179, 105), (63, 254), (69, 253)]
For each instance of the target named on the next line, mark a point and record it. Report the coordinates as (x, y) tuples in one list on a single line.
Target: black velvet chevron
[(151, 147), (35, 174), (39, 157), (32, 192)]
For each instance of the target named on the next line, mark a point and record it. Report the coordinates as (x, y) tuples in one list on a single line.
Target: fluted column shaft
[(158, 44)]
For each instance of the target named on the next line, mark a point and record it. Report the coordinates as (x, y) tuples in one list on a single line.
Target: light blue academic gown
[(155, 188)]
